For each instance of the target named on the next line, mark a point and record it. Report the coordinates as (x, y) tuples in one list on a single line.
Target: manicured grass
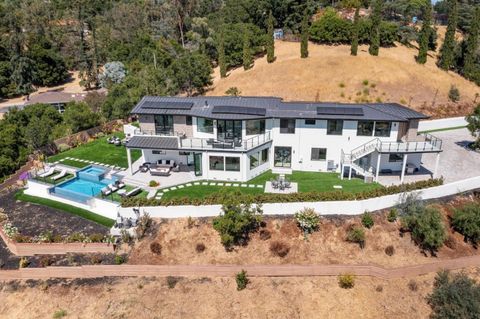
[(319, 182), (98, 151), (200, 191), (66, 208), (444, 129), (74, 163), (117, 198), (49, 179)]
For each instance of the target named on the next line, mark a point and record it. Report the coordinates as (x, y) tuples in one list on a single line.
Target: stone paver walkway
[(230, 270)]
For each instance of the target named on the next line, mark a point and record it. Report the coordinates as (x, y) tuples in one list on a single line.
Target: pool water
[(85, 187), (93, 170)]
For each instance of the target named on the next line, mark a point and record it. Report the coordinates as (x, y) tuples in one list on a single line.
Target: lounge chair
[(112, 187), (119, 184), (60, 175), (50, 171), (106, 191), (133, 192)]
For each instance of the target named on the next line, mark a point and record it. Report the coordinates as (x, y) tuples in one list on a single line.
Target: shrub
[(242, 280), (279, 248), (356, 234), (23, 262), (10, 230), (264, 234), (426, 227), (59, 314), (412, 285), (96, 238), (63, 147), (341, 84), (346, 281), (411, 203), (379, 288), (125, 236), (156, 248), (200, 247), (233, 91), (153, 183), (392, 215), (45, 261), (119, 259), (237, 220), (454, 94), (307, 220), (96, 259), (367, 220), (389, 250), (172, 281), (454, 296), (365, 82), (467, 222), (144, 223)]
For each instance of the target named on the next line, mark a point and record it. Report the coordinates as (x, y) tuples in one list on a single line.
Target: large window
[(334, 127), (392, 158), (310, 122), (287, 126), (217, 163), (204, 125), (365, 128), (232, 164), (258, 158), (319, 154), (188, 120), (282, 156), (382, 129), (163, 124), (255, 127)]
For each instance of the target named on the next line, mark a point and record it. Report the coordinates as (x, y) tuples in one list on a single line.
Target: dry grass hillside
[(331, 74)]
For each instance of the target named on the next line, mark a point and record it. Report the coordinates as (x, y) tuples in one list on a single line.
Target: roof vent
[(206, 104)]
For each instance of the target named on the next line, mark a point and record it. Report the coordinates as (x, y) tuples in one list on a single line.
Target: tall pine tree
[(447, 52), (424, 37), (270, 41), (247, 52), (304, 36), (375, 31), (471, 47), (221, 54), (356, 21)]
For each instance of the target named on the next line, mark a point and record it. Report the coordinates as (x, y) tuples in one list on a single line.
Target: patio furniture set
[(280, 183), (118, 186), (160, 168), (117, 141), (48, 171)]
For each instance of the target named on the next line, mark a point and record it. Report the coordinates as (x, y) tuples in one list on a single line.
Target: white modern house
[(238, 138)]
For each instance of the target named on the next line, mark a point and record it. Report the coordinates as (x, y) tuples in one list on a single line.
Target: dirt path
[(231, 270)]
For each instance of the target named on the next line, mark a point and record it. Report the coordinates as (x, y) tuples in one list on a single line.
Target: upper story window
[(163, 124), (310, 122), (255, 127), (188, 120), (382, 129), (287, 126), (365, 128), (334, 127), (204, 125)]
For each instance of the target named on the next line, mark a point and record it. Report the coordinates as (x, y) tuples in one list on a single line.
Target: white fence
[(96, 205), (354, 207), (441, 124)]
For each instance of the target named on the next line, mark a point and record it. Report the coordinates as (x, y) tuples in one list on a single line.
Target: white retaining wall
[(441, 124), (354, 207), (96, 205)]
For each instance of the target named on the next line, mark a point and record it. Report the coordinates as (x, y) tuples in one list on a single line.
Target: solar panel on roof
[(229, 109), (167, 105), (340, 110)]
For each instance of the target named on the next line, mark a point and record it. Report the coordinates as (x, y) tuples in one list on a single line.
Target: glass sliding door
[(164, 125), (197, 164), (228, 130), (282, 156)]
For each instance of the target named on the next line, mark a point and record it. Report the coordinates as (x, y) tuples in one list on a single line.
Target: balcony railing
[(235, 145)]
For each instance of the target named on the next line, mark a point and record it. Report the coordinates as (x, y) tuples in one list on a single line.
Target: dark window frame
[(259, 127), (398, 159), (188, 120), (365, 128), (213, 167), (163, 124), (389, 130), (335, 130), (204, 119), (318, 152), (226, 164), (286, 126), (310, 122)]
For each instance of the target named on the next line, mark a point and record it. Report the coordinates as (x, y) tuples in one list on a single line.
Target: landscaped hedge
[(285, 198)]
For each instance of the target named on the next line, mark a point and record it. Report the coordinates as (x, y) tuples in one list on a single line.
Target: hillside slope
[(331, 74)]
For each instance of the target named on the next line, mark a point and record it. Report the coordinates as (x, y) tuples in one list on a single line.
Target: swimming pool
[(85, 187)]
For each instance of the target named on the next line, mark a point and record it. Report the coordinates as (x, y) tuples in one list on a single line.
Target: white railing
[(236, 145)]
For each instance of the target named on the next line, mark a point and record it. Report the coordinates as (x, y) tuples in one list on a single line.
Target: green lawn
[(319, 182), (66, 208), (97, 151), (307, 182)]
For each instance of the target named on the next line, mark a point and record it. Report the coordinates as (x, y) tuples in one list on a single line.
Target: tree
[(247, 53), (447, 52), (375, 31), (270, 40), (79, 116), (192, 72), (466, 221), (474, 125), (469, 67), (426, 227), (355, 31), (304, 36), (236, 221), (95, 100), (23, 74), (454, 296), (114, 72), (48, 65), (221, 54), (424, 37)]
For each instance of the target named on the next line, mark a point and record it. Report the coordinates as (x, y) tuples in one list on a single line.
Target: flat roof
[(249, 107)]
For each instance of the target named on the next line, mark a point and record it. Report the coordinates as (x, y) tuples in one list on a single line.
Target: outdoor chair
[(287, 184), (106, 191), (133, 192), (112, 187), (119, 184), (60, 175), (275, 184), (50, 171)]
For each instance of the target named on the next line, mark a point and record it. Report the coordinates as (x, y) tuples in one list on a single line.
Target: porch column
[(350, 173), (342, 170), (379, 156), (404, 166), (437, 160), (129, 159)]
